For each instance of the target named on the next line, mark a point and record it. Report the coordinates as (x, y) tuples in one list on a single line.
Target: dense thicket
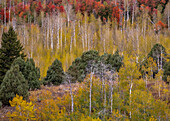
[(80, 67), (159, 56), (11, 48), (13, 83)]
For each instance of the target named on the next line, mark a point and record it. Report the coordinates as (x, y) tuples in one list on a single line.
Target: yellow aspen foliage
[(152, 119), (129, 70), (89, 119), (23, 110)]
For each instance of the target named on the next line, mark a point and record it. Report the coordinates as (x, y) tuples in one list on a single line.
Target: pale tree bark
[(82, 37), (85, 30), (130, 92), (47, 34), (5, 12), (9, 11), (68, 12), (68, 80), (65, 35), (24, 35), (74, 32), (51, 33), (168, 19), (137, 39), (127, 14), (71, 43), (23, 4), (111, 94), (72, 99), (58, 29), (61, 33), (90, 96)]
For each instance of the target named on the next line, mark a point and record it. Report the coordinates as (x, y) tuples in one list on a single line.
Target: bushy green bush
[(55, 74), (30, 72), (13, 83)]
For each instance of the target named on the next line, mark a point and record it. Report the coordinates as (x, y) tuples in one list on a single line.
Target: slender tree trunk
[(130, 92), (5, 12), (72, 99), (133, 12), (58, 28), (90, 96), (74, 32), (9, 11), (168, 19), (52, 31), (61, 33), (137, 39), (85, 31), (48, 27), (82, 37), (111, 96), (24, 36)]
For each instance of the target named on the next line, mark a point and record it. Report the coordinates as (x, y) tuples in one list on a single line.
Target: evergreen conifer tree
[(30, 72), (13, 83), (11, 48), (55, 73)]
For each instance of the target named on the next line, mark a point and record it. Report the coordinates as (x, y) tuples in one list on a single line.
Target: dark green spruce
[(55, 74), (11, 49)]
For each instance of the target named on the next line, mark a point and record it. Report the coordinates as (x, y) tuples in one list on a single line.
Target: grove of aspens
[(84, 60)]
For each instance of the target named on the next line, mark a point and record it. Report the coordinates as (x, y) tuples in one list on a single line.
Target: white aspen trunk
[(24, 36), (130, 92), (158, 63), (9, 11), (71, 44), (48, 27), (159, 91), (168, 19), (23, 4), (74, 33), (161, 59), (124, 14), (65, 34), (111, 93), (61, 33), (72, 99), (104, 98), (52, 31), (14, 7), (85, 30), (91, 77), (88, 37), (152, 72), (82, 37), (5, 12), (58, 28), (137, 39), (133, 12), (127, 11)]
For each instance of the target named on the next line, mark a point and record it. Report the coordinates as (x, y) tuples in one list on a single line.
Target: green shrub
[(13, 83), (55, 74)]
